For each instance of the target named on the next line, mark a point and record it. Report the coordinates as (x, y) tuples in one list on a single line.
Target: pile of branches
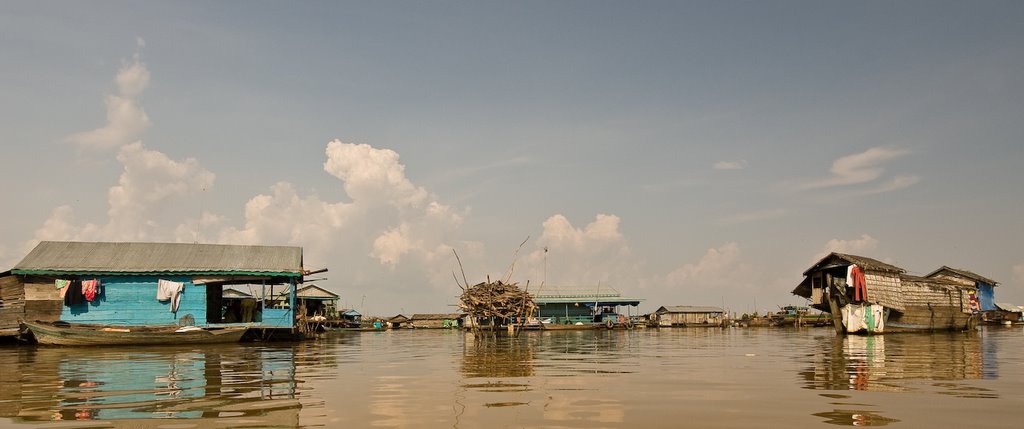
[(496, 299)]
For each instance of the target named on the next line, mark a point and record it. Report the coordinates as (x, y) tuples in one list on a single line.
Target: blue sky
[(682, 152)]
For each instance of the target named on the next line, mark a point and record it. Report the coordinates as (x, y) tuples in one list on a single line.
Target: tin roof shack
[(1007, 314), (317, 302), (689, 315), (118, 283), (570, 305), (870, 296), (985, 296), (437, 321)]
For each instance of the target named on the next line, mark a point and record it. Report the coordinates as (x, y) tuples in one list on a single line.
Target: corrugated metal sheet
[(315, 292), (137, 258)]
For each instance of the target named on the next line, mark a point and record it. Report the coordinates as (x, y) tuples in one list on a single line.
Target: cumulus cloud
[(717, 264), (372, 175), (731, 165), (863, 168), (126, 120), (151, 192), (864, 244), (569, 256)]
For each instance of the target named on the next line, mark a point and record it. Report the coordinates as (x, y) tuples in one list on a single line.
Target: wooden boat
[(67, 334)]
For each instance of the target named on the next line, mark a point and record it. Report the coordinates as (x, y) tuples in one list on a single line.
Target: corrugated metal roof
[(602, 295), (315, 292), (688, 309), (235, 294), (159, 258)]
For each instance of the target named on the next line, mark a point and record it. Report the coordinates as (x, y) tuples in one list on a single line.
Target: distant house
[(117, 283), (438, 320), (984, 287), (350, 318), (689, 315), (399, 321), (317, 301)]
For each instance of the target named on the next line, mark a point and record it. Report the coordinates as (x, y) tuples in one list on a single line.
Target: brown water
[(576, 379)]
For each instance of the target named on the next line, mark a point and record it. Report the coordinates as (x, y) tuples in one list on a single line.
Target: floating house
[(562, 305), (984, 287), (399, 321), (865, 295), (437, 320), (689, 315), (348, 318), (146, 284)]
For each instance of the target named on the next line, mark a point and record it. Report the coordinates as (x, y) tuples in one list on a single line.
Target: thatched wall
[(884, 288)]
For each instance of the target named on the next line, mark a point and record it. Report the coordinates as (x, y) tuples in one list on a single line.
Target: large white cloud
[(152, 194), (372, 175), (126, 120), (565, 255)]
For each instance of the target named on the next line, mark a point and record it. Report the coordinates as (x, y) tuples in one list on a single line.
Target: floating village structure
[(437, 320), (865, 295), (135, 285), (688, 315), (600, 305)]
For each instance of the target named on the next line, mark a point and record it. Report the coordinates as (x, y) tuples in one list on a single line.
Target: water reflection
[(886, 363), (213, 387), (497, 356), (855, 418)]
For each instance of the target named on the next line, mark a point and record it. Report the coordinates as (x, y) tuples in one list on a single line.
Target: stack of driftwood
[(496, 300)]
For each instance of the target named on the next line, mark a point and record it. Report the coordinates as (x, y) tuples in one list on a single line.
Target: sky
[(684, 153)]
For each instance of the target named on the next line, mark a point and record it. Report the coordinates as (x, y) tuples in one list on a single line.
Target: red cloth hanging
[(860, 288)]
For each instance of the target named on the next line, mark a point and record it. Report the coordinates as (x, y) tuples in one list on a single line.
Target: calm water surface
[(577, 379)]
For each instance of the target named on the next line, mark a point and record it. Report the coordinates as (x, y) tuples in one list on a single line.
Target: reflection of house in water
[(599, 304), (216, 387), (887, 363)]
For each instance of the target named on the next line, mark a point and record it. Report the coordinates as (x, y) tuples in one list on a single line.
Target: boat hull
[(98, 335)]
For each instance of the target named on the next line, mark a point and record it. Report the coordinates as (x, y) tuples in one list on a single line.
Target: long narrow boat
[(65, 334)]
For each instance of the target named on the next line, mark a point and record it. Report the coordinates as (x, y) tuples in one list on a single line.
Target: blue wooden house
[(136, 284)]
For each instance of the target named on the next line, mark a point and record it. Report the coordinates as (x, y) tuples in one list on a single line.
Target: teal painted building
[(128, 275), (598, 304)]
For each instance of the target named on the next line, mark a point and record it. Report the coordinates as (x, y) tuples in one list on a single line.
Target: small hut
[(689, 315)]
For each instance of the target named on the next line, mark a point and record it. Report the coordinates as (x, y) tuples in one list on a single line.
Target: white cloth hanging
[(167, 290)]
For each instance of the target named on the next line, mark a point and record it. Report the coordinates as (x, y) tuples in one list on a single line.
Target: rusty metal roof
[(126, 258)]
